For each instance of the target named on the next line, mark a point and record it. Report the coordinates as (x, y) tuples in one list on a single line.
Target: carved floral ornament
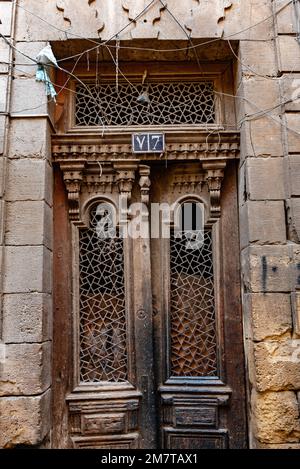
[(94, 18), (121, 168)]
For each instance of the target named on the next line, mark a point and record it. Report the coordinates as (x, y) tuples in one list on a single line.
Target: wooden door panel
[(157, 345), (198, 394)]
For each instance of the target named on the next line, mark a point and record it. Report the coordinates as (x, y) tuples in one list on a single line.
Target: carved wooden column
[(143, 312)]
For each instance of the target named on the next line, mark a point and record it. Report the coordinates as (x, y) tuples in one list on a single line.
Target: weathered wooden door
[(157, 335), (197, 319)]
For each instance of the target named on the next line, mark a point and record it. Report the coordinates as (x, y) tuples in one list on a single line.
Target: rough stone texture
[(27, 318), (29, 180), (28, 223), (277, 365), (31, 49), (294, 175), (267, 269), (257, 58), (279, 446), (249, 16), (290, 85), (6, 17), (262, 223), (264, 178), (28, 97), (295, 211), (296, 313), (2, 134), (4, 57), (27, 269), (2, 219), (269, 314), (255, 94), (288, 54), (26, 369), (286, 21), (293, 123), (24, 420), (30, 137), (3, 92), (261, 138), (276, 416)]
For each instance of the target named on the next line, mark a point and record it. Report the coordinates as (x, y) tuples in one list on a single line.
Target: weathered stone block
[(269, 314), (288, 54), (265, 178), (295, 213), (24, 420), (2, 220), (293, 124), (279, 446), (29, 97), (286, 20), (276, 417), (26, 369), (267, 269), (249, 17), (2, 136), (262, 222), (294, 175), (256, 94), (30, 49), (257, 58), (27, 269), (290, 85), (296, 311), (27, 318), (4, 57), (277, 365), (5, 17), (3, 92), (261, 138), (29, 180), (28, 223), (30, 137)]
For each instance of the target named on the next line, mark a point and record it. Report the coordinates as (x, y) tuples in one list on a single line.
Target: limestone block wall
[(267, 75), (269, 225), (26, 244)]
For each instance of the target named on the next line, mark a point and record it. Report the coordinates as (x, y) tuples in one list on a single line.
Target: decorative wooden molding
[(214, 178), (193, 145), (73, 175)]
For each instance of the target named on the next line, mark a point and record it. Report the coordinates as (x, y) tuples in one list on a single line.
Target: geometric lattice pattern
[(103, 354), (170, 104), (192, 315)]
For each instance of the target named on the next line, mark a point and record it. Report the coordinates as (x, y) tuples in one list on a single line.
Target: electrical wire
[(195, 46), (257, 115)]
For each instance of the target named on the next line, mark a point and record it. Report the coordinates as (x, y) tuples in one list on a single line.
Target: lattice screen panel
[(103, 353), (192, 314), (170, 104)]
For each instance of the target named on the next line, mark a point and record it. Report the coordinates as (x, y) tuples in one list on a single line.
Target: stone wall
[(269, 225), (267, 74), (26, 191)]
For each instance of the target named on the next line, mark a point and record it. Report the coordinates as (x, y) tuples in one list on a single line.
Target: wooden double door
[(154, 358)]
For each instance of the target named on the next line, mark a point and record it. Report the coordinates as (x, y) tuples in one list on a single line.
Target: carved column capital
[(144, 183), (73, 175), (214, 179), (125, 177)]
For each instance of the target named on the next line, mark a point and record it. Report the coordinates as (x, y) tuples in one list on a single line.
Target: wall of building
[(267, 74)]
